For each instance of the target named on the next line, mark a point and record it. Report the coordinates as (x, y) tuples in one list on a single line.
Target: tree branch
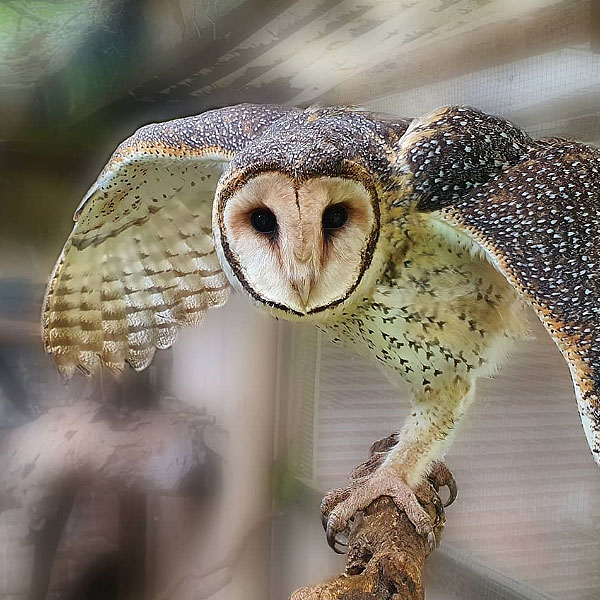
[(385, 554), (44, 462)]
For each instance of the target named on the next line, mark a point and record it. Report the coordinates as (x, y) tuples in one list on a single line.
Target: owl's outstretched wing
[(141, 261), (535, 210)]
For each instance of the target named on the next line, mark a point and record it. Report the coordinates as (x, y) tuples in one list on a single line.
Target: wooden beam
[(17, 332)]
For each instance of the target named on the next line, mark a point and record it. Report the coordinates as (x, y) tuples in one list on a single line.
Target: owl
[(418, 243)]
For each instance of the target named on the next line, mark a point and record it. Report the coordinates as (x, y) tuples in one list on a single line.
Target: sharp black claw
[(453, 492), (331, 533), (332, 540)]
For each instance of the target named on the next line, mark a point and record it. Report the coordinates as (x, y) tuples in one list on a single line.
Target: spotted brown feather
[(540, 221), (534, 207)]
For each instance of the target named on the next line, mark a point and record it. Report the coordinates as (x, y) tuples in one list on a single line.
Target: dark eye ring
[(334, 216), (263, 220)]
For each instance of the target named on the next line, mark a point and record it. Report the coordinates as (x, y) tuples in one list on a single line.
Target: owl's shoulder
[(418, 240)]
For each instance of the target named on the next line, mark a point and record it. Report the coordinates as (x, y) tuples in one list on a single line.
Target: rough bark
[(385, 557)]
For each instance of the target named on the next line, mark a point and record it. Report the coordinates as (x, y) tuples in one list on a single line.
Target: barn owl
[(416, 242)]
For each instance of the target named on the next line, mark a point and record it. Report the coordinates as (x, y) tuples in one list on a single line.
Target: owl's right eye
[(263, 220)]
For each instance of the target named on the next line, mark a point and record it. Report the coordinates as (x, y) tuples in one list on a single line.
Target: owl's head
[(297, 246)]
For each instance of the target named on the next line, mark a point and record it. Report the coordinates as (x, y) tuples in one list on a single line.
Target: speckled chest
[(438, 310)]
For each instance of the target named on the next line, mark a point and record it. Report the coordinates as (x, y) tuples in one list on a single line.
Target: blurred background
[(262, 417)]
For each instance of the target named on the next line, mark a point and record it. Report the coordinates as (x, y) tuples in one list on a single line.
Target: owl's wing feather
[(535, 210), (539, 222), (140, 261)]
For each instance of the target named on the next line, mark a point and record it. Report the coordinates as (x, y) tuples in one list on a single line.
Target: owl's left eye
[(263, 220), (334, 216)]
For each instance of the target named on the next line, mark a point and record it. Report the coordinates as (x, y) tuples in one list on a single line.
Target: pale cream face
[(303, 248)]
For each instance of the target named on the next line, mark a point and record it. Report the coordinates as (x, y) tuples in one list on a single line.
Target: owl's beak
[(305, 267), (302, 287)]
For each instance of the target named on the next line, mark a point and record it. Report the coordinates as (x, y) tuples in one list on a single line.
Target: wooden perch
[(386, 555), (385, 558)]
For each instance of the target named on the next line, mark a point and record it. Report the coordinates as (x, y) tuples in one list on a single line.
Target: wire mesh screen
[(527, 521), (553, 94)]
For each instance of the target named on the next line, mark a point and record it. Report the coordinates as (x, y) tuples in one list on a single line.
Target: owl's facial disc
[(299, 247)]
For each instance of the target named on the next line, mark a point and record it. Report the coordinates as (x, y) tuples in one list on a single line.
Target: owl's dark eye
[(263, 220), (334, 216)]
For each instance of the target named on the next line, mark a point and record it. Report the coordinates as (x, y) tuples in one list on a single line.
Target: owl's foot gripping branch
[(386, 555), (385, 551), (374, 479)]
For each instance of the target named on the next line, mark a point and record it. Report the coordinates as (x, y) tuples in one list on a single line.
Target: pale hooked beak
[(302, 288), (304, 271)]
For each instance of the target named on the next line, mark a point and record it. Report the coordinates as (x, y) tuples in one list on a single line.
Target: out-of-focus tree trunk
[(46, 542), (44, 462)]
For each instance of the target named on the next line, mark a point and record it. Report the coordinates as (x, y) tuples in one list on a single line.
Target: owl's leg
[(439, 475), (419, 446)]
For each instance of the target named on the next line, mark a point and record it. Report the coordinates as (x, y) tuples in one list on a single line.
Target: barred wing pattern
[(141, 260)]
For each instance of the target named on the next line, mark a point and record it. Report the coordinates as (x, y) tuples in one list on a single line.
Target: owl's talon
[(453, 493), (441, 476), (332, 540), (385, 482)]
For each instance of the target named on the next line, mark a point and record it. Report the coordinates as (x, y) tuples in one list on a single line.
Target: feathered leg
[(420, 445)]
